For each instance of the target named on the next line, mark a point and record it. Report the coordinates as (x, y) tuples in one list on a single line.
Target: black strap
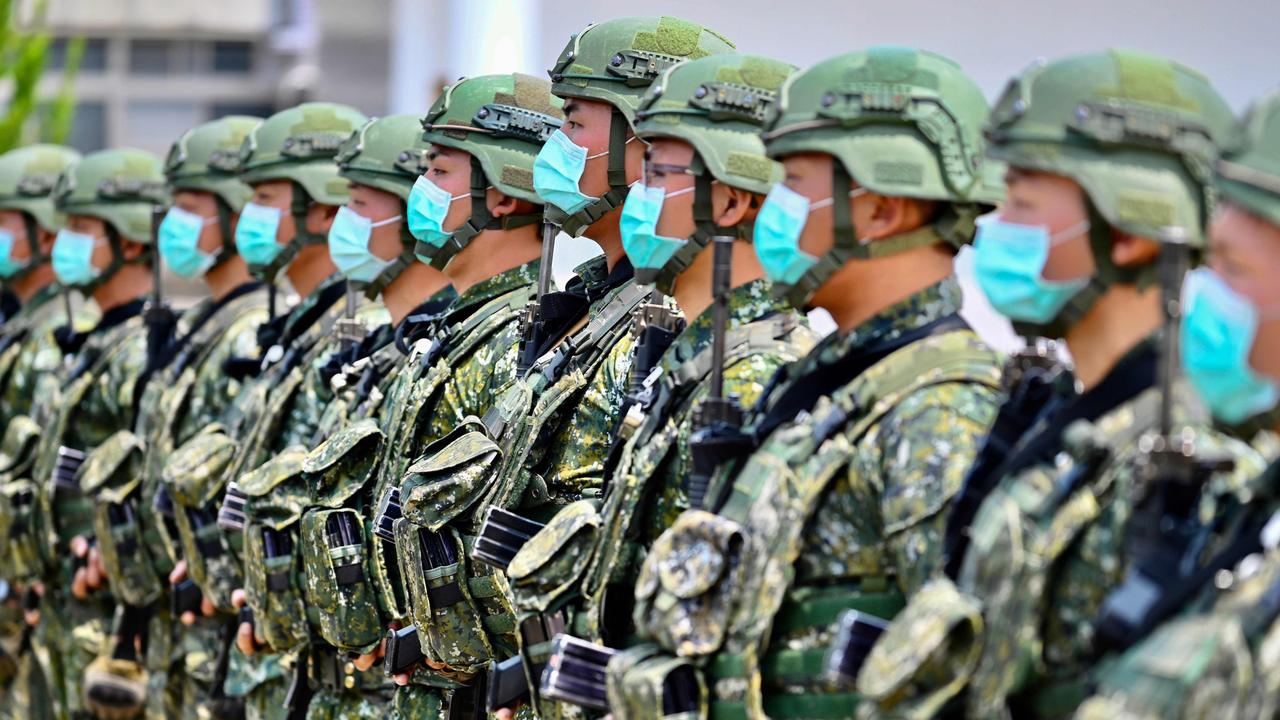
[(802, 396)]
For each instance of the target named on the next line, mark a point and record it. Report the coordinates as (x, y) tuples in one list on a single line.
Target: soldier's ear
[(502, 205), (738, 206), (1132, 251), (130, 250)]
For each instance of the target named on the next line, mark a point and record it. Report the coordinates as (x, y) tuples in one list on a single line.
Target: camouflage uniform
[(841, 504), (1053, 541), (99, 390), (29, 359), (1219, 658)]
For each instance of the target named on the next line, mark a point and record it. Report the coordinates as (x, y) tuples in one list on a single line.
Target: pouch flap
[(19, 443), (331, 451), (196, 471), (275, 490), (927, 655), (340, 466), (690, 557), (451, 476), (551, 540), (98, 474)]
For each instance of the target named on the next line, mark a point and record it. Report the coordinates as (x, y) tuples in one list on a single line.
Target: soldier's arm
[(927, 444)]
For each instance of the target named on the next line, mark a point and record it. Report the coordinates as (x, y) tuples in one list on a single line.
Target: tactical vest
[(716, 586)]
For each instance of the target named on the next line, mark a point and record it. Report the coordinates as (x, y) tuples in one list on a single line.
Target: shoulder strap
[(484, 323), (588, 347)]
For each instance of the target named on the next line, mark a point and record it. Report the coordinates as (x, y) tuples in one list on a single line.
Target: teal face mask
[(778, 227), (1008, 263), (427, 207), (349, 245), (1218, 329), (645, 248), (557, 171), (256, 234), (72, 258), (8, 266), (180, 242)]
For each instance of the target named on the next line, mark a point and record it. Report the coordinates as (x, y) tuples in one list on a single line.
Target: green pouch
[(276, 494), (687, 583), (644, 684), (927, 655), (112, 476), (196, 475), (552, 563), (19, 445), (451, 604), (453, 474), (335, 541)]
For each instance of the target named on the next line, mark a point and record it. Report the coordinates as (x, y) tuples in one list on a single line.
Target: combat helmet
[(1250, 178), (717, 104), (206, 158), (27, 178), (299, 145), (614, 62), (899, 122), (500, 121)]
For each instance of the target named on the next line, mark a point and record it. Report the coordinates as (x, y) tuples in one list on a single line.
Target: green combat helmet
[(120, 187), (501, 121), (1139, 133), (299, 145), (717, 104), (899, 122), (614, 62), (27, 178), (206, 158), (1251, 178), (387, 154)]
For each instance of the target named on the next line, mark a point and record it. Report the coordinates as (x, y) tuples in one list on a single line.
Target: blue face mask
[(8, 266), (428, 205), (180, 242), (72, 258), (1218, 329), (639, 223), (557, 170), (778, 227), (1008, 261), (256, 234), (349, 245)]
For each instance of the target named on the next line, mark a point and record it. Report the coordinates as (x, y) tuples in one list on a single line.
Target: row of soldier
[(438, 485)]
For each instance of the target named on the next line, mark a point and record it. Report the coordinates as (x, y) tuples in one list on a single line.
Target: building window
[(153, 124), (149, 57), (88, 125), (259, 109), (232, 56), (94, 58)]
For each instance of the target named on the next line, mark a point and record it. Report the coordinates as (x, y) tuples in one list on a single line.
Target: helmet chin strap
[(228, 248), (705, 228), (302, 238), (576, 224), (397, 266), (481, 219), (35, 258)]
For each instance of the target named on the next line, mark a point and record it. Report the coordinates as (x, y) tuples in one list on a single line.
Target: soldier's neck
[(491, 253), (311, 267), (607, 233), (863, 289), (692, 288), (129, 283), (1123, 317), (410, 289), (34, 282), (227, 276)]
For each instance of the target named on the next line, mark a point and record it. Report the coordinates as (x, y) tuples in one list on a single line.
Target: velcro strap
[(446, 595)]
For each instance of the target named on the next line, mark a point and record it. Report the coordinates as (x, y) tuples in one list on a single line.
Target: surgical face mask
[(349, 245), (428, 205), (256, 234), (72, 258), (1009, 263), (557, 170), (8, 266), (1218, 329), (639, 224), (778, 228), (180, 242)]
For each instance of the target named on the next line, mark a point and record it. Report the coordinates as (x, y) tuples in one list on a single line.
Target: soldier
[(188, 388), (1219, 660), (288, 161), (29, 357), (371, 244), (706, 176), (864, 441), (103, 251), (1090, 517)]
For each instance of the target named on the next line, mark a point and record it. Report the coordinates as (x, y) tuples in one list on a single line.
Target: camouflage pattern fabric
[(1040, 566)]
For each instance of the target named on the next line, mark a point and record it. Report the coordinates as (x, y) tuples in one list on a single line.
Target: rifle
[(160, 320), (533, 327), (719, 435)]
